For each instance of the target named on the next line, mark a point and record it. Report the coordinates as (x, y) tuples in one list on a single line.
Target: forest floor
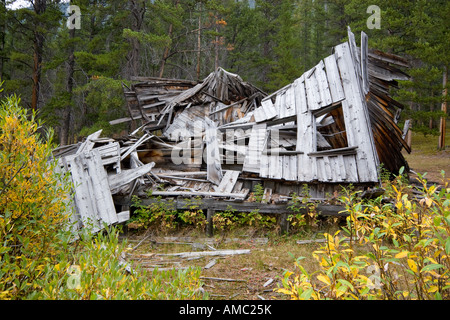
[(249, 276), (426, 158), (255, 275)]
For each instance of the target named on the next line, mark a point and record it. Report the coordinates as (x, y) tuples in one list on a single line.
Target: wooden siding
[(336, 79)]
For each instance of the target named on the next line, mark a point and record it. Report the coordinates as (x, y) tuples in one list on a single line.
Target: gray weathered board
[(92, 196), (339, 79)]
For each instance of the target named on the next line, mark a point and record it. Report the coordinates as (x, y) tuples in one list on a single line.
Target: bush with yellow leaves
[(392, 250), (39, 258), (32, 208)]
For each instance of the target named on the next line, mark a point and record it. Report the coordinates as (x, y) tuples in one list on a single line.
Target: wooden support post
[(284, 223), (209, 222), (442, 129)]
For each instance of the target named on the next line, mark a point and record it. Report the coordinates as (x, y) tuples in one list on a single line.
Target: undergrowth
[(41, 256), (390, 250)]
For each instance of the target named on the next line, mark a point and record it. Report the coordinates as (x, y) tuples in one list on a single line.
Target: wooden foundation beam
[(211, 206)]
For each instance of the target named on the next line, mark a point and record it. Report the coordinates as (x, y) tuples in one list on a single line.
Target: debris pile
[(220, 137)]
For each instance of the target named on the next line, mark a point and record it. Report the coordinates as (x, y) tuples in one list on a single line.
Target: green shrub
[(225, 220), (159, 215)]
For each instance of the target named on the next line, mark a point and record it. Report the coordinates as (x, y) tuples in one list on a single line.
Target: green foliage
[(258, 192), (104, 98), (193, 215), (159, 215), (225, 220), (304, 210), (257, 220)]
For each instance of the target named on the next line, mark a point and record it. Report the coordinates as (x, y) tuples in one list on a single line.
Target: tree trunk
[(442, 128), (38, 45), (137, 15), (166, 49), (199, 43), (67, 113), (2, 41), (216, 48)]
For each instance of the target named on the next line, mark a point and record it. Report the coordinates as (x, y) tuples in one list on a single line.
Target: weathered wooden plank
[(213, 165), (356, 116), (85, 204), (228, 181), (342, 168), (334, 79), (289, 103), (87, 145), (255, 148), (192, 254), (275, 166), (110, 153), (320, 170), (301, 105), (293, 168), (280, 104), (71, 211), (334, 152), (264, 166), (259, 114), (126, 176), (312, 94), (351, 168), (324, 89), (214, 204), (364, 62), (355, 55), (306, 166), (269, 109), (99, 189), (241, 195), (328, 169)]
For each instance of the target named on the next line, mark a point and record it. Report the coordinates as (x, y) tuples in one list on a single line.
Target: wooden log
[(223, 279)]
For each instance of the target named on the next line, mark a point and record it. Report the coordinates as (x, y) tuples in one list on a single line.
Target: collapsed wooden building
[(219, 137)]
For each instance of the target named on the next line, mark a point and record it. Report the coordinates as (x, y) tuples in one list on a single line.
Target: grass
[(270, 255), (425, 156)]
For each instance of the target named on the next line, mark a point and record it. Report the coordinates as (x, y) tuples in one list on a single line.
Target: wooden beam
[(126, 176)]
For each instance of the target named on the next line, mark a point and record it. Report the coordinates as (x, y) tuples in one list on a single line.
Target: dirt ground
[(249, 276), (425, 158)]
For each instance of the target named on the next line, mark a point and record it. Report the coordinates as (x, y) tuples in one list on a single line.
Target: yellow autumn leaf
[(412, 265), (340, 291), (433, 289), (285, 291), (401, 254), (324, 279)]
